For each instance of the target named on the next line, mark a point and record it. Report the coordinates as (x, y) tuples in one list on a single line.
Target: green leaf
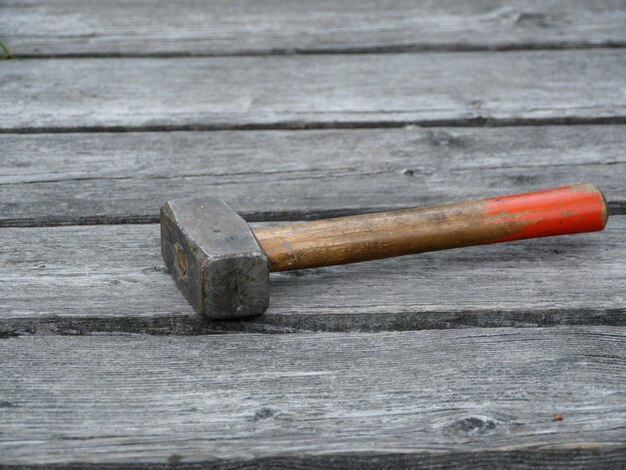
[(7, 52)]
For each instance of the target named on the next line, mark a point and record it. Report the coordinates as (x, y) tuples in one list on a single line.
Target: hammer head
[(214, 257)]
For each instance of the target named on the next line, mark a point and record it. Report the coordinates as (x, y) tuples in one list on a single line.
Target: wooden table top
[(508, 355)]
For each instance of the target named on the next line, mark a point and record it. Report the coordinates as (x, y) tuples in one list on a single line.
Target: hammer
[(222, 266)]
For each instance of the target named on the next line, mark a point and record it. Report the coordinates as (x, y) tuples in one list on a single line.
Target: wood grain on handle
[(560, 211)]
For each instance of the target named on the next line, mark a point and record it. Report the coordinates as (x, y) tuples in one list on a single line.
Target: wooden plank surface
[(406, 396), (191, 27), (314, 91), (50, 179), (90, 279), (75, 149)]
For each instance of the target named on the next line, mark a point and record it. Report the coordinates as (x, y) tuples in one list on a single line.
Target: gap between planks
[(481, 121), (398, 49)]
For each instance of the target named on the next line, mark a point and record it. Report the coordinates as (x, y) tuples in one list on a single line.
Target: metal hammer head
[(214, 257)]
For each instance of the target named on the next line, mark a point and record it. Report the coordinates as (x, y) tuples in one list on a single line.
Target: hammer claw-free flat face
[(214, 257)]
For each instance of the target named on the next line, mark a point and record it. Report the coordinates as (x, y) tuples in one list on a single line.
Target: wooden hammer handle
[(570, 209)]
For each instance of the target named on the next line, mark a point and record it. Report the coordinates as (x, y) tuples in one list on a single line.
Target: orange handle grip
[(570, 209)]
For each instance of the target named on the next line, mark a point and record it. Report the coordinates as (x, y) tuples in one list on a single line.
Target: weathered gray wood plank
[(314, 91), (190, 27), (48, 179), (409, 397), (89, 279)]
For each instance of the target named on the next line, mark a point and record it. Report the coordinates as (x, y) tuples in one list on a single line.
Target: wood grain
[(314, 91), (191, 27), (302, 399), (98, 279), (113, 126), (557, 211), (50, 179)]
